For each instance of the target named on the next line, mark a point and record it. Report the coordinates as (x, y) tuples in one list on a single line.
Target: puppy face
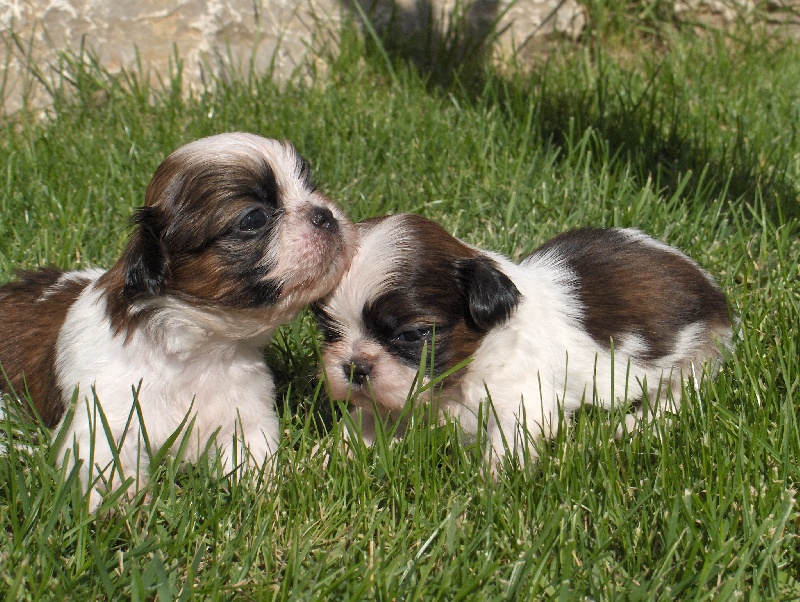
[(411, 287), (231, 222)]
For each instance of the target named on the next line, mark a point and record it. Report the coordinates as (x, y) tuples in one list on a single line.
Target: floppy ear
[(146, 266), (491, 295)]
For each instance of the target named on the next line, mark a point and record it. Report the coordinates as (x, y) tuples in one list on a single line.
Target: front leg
[(251, 448), (517, 431), (106, 456)]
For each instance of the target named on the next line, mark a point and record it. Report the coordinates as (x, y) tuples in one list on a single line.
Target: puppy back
[(32, 312), (633, 287)]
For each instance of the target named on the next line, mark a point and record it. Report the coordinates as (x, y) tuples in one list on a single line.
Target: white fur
[(537, 364), (542, 361), (375, 273), (200, 363), (66, 278), (180, 368)]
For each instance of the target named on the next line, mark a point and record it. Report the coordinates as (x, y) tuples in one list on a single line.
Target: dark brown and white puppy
[(233, 241), (594, 316)]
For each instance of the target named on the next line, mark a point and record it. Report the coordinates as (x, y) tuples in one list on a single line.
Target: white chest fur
[(175, 368)]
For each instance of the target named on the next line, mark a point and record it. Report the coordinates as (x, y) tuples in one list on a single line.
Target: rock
[(426, 31), (209, 36), (717, 14), (220, 37), (224, 37)]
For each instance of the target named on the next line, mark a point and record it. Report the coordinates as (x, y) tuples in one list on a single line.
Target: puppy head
[(231, 222), (411, 286)]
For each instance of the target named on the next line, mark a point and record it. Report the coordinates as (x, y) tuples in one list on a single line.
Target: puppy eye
[(330, 332), (253, 220), (413, 335)]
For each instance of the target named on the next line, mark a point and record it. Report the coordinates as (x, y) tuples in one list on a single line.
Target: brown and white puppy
[(594, 316), (233, 241)]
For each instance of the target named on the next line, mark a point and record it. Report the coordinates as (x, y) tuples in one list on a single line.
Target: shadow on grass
[(653, 135), (663, 144)]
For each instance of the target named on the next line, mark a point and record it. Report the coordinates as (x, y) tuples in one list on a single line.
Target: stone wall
[(222, 36), (217, 36)]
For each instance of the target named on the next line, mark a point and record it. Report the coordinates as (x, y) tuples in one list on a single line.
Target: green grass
[(697, 145)]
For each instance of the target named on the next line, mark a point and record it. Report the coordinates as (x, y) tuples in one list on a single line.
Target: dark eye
[(413, 335), (331, 331), (253, 220)]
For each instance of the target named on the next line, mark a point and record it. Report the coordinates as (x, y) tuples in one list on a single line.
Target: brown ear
[(146, 265), (491, 295)]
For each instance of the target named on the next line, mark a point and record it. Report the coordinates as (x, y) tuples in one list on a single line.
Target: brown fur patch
[(628, 286), (438, 286), (32, 312)]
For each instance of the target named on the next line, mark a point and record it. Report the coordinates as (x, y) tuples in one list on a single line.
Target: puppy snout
[(357, 371), (322, 218)]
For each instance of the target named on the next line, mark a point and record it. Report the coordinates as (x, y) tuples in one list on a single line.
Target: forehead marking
[(374, 268), (236, 146)]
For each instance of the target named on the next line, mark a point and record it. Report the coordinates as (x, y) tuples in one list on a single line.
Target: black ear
[(146, 267), (491, 295)]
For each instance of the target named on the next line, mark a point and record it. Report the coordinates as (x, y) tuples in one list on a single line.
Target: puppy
[(233, 241), (594, 316)]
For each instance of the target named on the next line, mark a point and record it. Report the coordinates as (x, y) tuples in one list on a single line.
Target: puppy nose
[(322, 218), (357, 371)]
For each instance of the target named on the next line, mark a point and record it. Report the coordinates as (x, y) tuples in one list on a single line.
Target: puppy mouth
[(362, 395)]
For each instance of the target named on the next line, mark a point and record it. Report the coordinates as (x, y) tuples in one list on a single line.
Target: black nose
[(357, 371), (322, 218)]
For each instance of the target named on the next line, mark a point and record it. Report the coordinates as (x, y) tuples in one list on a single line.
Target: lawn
[(693, 139)]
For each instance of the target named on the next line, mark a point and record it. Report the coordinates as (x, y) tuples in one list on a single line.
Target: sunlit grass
[(697, 146)]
